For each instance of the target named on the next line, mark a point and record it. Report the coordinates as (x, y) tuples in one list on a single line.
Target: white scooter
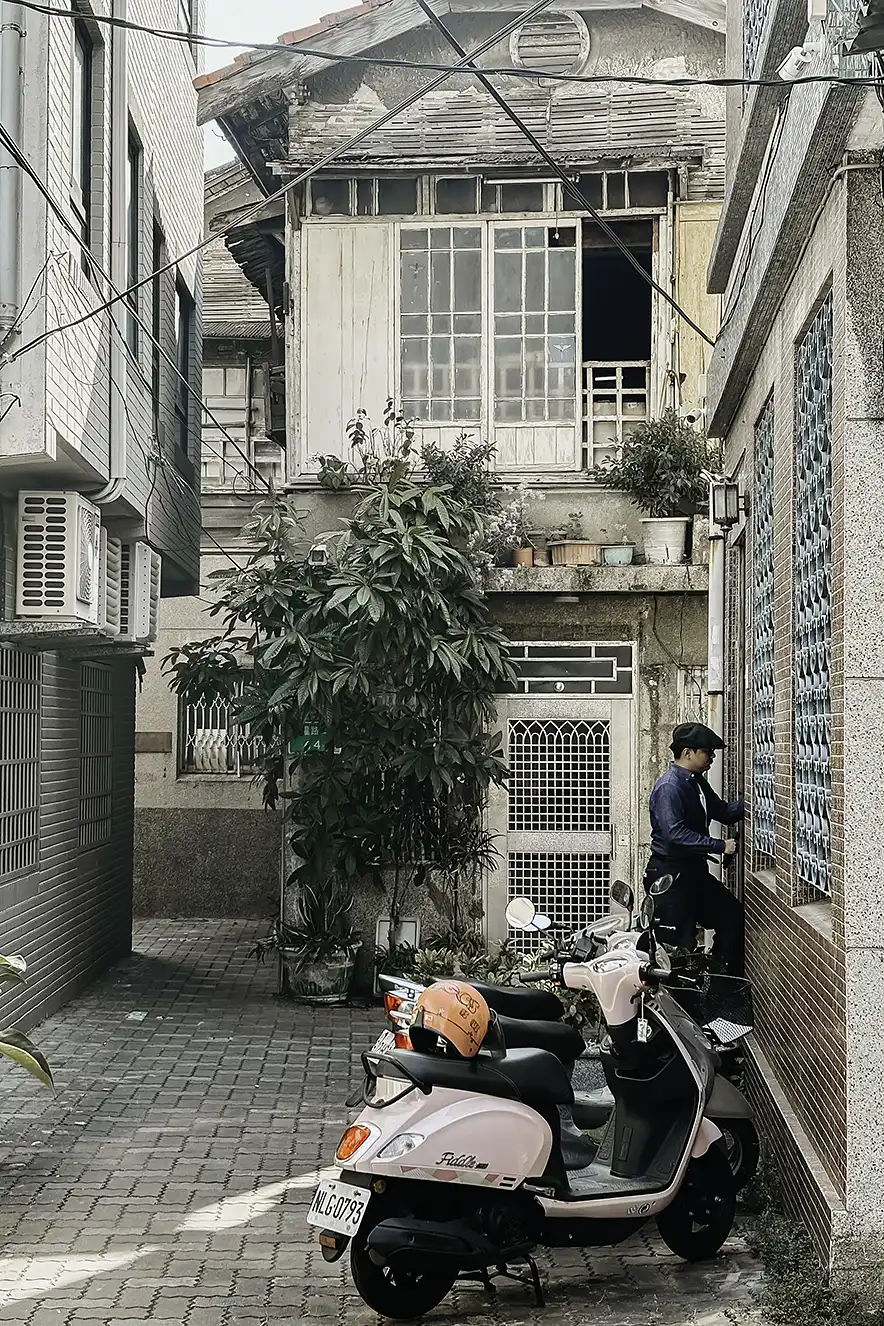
[(461, 1174)]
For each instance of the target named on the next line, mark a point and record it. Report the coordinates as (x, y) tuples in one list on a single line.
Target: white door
[(563, 824)]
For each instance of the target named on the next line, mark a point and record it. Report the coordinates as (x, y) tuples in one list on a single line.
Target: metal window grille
[(96, 754), (560, 668), (734, 668), (571, 887), (813, 624), (755, 14), (615, 400), (763, 692), (692, 704), (20, 694), (211, 742), (560, 776)]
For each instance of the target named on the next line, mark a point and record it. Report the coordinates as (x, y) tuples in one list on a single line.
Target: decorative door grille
[(211, 742), (571, 887), (560, 777), (813, 623), (763, 692), (572, 669), (20, 687), (96, 754)]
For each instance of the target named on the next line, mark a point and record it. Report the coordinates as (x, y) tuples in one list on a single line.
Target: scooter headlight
[(400, 1146)]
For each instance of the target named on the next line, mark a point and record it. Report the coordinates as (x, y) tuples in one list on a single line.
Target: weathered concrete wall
[(206, 862)]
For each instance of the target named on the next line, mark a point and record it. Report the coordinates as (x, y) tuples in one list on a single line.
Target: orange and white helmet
[(453, 1011)]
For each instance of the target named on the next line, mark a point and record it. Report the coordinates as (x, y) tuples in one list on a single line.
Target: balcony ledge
[(641, 579), (87, 641)]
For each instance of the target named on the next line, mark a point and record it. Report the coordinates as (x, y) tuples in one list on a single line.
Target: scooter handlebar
[(651, 975), (533, 977)]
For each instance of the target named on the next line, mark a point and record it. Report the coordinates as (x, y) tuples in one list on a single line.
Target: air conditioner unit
[(139, 592), (58, 559), (110, 587)]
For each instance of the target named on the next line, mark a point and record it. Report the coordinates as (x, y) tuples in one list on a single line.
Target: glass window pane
[(414, 239), (440, 323), (508, 238), (616, 192), (331, 197), (467, 324), (648, 188), (508, 282), (535, 323), (535, 282), (467, 237), (365, 197), (562, 279), (415, 270), (489, 198), (535, 238), (468, 280), (456, 195), (509, 324), (440, 288), (413, 324), (521, 197), (591, 188), (440, 238), (469, 411), (397, 197)]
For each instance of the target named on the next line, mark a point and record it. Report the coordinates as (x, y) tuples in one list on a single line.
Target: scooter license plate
[(338, 1207), (384, 1043)]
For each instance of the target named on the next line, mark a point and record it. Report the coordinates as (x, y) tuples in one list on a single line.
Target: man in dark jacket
[(682, 807)]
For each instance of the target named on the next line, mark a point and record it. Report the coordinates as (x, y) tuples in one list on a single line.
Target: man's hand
[(730, 847)]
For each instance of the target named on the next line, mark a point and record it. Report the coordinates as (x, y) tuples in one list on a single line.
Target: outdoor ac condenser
[(140, 592), (110, 602), (58, 560)]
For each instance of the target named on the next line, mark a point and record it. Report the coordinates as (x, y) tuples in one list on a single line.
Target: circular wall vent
[(556, 42)]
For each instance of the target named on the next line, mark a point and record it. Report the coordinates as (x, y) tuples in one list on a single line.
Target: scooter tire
[(696, 1225), (743, 1148), (400, 1296)]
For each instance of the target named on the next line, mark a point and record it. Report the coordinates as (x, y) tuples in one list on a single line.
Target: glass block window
[(96, 754), (566, 669), (534, 306), (560, 776), (755, 14), (440, 323), (571, 887), (813, 622), (20, 678), (763, 748)]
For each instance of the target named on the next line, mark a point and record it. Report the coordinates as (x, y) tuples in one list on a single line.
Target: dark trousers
[(697, 899)]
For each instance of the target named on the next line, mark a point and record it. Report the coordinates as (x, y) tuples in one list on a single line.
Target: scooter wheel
[(743, 1149), (399, 1295), (697, 1223)]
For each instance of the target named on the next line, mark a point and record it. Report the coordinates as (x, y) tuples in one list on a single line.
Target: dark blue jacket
[(679, 824)]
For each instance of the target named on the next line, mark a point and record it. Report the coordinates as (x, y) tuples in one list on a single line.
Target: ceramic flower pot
[(619, 554), (665, 540), (523, 557), (316, 982), (576, 552)]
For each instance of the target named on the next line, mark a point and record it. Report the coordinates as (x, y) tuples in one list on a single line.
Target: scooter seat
[(516, 1001), (534, 1077), (556, 1037)]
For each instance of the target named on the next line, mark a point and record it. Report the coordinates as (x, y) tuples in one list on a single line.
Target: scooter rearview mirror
[(541, 922), (661, 886), (521, 914), (621, 893), (646, 913)]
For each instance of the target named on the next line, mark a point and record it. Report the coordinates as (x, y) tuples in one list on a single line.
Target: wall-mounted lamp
[(727, 504)]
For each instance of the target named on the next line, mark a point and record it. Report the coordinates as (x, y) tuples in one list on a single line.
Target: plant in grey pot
[(317, 951), (621, 553), (664, 466)]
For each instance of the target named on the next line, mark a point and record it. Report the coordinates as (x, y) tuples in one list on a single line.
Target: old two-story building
[(440, 262), (795, 387), (99, 456)]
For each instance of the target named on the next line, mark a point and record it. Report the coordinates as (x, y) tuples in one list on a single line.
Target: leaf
[(16, 1046), (12, 969)]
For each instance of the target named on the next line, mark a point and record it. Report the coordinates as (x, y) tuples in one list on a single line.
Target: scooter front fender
[(727, 1101)]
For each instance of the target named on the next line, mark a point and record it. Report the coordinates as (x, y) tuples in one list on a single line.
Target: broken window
[(330, 197), (457, 195), (617, 298), (441, 323), (534, 297)]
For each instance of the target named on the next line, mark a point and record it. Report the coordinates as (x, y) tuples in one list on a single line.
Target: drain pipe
[(715, 651), (11, 37), (118, 444)]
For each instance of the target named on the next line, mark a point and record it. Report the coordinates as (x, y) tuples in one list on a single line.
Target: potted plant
[(622, 553), (317, 951), (569, 546), (663, 466), (506, 537)]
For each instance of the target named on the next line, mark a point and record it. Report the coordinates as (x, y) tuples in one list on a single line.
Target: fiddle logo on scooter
[(451, 1161)]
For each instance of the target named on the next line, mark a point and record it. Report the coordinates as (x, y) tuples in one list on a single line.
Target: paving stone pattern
[(169, 1178)]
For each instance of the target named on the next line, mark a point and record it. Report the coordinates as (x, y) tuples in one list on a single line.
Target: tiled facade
[(814, 932)]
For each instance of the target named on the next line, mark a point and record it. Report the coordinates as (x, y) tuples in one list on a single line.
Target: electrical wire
[(463, 65), (570, 186), (24, 164), (300, 49)]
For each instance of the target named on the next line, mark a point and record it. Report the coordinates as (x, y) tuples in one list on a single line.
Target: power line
[(25, 165), (428, 66), (570, 186)]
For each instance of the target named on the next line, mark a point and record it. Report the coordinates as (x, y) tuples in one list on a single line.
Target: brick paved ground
[(169, 1178)]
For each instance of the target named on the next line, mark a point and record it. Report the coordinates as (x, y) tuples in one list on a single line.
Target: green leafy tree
[(371, 681)]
